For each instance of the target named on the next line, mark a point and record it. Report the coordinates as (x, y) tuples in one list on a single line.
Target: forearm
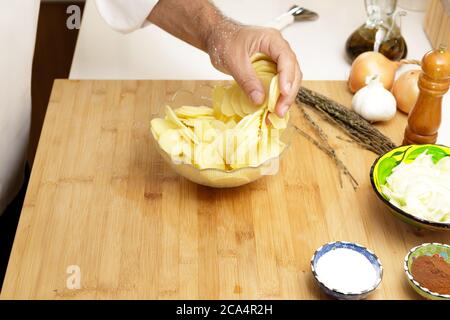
[(230, 46), (191, 21)]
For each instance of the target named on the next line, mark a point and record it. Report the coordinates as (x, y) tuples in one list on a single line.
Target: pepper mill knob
[(425, 117)]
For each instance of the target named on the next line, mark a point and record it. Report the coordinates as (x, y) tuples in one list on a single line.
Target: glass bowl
[(212, 177)]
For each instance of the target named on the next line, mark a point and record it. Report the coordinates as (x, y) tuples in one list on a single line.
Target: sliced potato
[(171, 142), (246, 122), (264, 74), (194, 112), (230, 124), (274, 94), (205, 131), (155, 135), (185, 131), (271, 149), (233, 134), (226, 144), (264, 119), (189, 122), (207, 156), (247, 106), (219, 125), (226, 107), (261, 66), (192, 122), (245, 154), (260, 56), (236, 100), (186, 155), (159, 125), (277, 122), (217, 97)]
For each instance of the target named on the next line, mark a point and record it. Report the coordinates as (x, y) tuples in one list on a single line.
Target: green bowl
[(382, 168), (427, 249)]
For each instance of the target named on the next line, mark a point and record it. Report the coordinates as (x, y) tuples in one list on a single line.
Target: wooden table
[(101, 199)]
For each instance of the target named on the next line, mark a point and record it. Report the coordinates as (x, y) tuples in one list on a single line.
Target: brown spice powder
[(432, 272)]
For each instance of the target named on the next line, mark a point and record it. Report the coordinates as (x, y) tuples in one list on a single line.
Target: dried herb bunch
[(321, 142), (356, 127)]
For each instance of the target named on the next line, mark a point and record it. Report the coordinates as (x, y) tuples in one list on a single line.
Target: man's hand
[(230, 46)]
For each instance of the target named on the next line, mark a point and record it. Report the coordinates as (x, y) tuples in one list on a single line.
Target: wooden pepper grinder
[(425, 117)]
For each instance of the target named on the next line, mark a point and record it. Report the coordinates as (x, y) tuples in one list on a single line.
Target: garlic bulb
[(373, 102)]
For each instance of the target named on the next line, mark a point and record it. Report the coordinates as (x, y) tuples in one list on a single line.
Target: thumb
[(247, 79)]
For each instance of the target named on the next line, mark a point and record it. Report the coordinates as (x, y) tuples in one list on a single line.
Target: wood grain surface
[(437, 23), (101, 198)]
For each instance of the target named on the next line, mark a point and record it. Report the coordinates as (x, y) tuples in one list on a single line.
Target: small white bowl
[(338, 294)]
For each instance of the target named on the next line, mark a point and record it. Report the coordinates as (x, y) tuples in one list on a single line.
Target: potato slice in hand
[(226, 107), (217, 98), (274, 94), (246, 105), (249, 107), (277, 122), (265, 66), (260, 56), (236, 100)]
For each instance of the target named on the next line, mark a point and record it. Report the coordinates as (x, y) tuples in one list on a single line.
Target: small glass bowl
[(212, 177)]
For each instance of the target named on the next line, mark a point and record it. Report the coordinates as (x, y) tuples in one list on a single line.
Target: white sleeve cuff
[(124, 15)]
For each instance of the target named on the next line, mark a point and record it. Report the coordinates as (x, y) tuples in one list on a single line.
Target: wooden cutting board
[(101, 203)]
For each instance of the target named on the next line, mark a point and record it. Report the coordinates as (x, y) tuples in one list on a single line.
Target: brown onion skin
[(406, 90), (368, 64)]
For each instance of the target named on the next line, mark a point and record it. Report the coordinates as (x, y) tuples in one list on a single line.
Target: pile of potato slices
[(233, 134)]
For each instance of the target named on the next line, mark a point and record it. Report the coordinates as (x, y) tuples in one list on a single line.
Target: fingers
[(287, 66), (288, 98), (247, 79), (270, 42), (280, 51)]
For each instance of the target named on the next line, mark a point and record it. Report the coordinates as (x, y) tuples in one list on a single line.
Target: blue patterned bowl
[(358, 248), (427, 249)]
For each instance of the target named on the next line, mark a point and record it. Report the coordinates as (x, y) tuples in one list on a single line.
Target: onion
[(372, 63), (406, 90)]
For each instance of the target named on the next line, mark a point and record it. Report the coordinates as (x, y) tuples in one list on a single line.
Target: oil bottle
[(380, 32)]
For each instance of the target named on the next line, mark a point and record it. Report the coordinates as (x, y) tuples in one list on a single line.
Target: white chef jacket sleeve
[(125, 15)]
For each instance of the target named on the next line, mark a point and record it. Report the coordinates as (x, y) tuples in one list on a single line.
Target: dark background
[(55, 46)]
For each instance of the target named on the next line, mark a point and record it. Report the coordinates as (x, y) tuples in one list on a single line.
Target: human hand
[(230, 47)]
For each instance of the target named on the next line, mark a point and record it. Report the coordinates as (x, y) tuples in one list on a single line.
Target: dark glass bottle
[(379, 33)]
